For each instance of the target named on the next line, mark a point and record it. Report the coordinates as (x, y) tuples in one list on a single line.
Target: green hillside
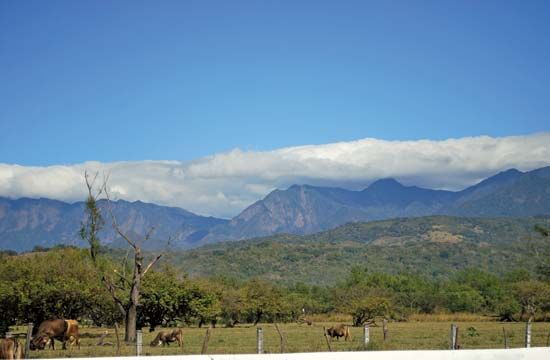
[(435, 246)]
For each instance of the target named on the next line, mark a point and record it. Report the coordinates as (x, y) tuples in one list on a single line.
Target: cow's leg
[(72, 342)]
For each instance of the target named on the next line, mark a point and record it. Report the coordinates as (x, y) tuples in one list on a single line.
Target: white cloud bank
[(224, 184)]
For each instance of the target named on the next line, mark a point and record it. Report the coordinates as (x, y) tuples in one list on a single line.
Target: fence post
[(385, 329), (528, 334), (205, 341), (259, 340), (28, 340), (139, 342), (505, 339), (454, 336), (366, 335)]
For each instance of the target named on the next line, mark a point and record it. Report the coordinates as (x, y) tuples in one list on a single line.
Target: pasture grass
[(412, 335)]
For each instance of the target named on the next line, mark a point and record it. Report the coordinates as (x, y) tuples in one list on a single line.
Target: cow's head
[(156, 342), (39, 342)]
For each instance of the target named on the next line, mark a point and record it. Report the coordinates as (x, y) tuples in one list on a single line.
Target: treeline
[(63, 282)]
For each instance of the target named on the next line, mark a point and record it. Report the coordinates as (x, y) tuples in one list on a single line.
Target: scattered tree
[(124, 291)]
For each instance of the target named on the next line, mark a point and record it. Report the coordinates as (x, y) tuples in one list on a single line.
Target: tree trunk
[(131, 313), (131, 320)]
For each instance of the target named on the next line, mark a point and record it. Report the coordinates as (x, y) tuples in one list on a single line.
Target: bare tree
[(124, 291)]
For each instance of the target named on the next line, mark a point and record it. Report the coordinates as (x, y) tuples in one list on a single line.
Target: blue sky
[(178, 80)]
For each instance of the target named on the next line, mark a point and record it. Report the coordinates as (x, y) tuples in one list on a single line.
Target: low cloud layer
[(224, 184)]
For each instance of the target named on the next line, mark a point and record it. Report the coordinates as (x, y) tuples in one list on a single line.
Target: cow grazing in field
[(10, 349), (60, 329), (338, 331), (164, 338)]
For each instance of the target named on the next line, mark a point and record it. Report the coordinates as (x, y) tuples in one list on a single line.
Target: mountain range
[(300, 210), (26, 223), (305, 209)]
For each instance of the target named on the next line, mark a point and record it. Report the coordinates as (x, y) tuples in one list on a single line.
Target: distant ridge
[(305, 209), (25, 223), (299, 210)]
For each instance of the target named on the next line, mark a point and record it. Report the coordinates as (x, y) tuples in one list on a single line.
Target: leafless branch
[(125, 262), (113, 219), (90, 185), (112, 290), (122, 277), (152, 263)]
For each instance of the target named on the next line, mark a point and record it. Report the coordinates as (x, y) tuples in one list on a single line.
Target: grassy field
[(304, 338)]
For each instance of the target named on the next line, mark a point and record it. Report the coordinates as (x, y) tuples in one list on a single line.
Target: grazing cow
[(338, 331), (164, 338), (60, 329), (10, 349)]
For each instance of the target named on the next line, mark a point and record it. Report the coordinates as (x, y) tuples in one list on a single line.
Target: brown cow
[(164, 338), (338, 331), (60, 329), (10, 349)]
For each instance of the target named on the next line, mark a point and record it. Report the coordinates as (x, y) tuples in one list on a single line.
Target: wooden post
[(117, 340), (366, 335), (205, 341), (454, 336), (28, 340), (259, 340), (327, 339), (385, 329), (548, 340), (505, 339), (528, 334), (281, 338), (139, 342)]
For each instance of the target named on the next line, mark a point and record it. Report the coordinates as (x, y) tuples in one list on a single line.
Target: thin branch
[(90, 185), (152, 263), (125, 263), (112, 291), (113, 218), (122, 277)]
